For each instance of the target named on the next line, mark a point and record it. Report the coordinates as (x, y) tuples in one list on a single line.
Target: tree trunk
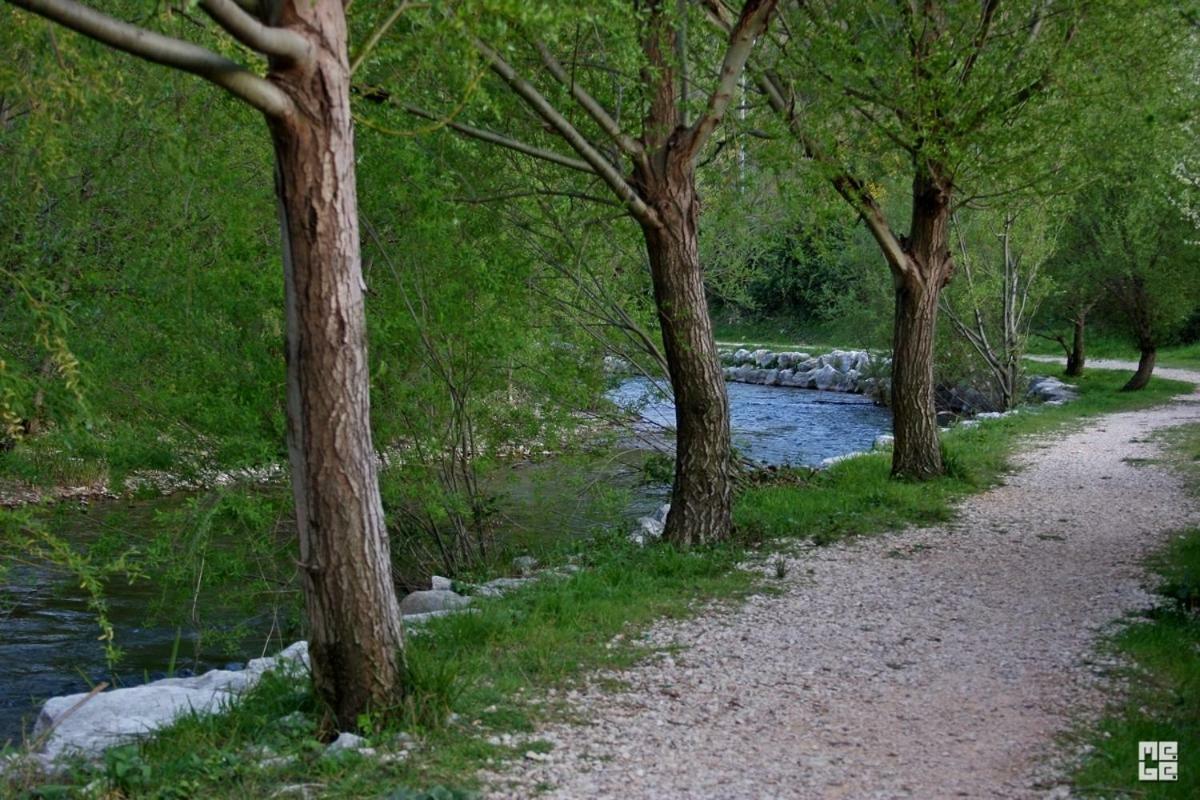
[(354, 620), (1011, 382), (1075, 358), (1145, 369), (702, 497), (1137, 306), (917, 451)]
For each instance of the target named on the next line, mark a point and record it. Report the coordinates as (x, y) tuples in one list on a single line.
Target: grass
[(1160, 652), (474, 677), (481, 683)]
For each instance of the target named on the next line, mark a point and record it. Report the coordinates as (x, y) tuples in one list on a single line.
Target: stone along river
[(48, 643)]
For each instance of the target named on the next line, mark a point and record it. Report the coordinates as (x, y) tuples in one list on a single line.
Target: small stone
[(525, 564), (499, 586), (440, 583), (651, 527), (346, 741)]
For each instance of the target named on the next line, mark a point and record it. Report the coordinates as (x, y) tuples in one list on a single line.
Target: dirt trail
[(930, 663)]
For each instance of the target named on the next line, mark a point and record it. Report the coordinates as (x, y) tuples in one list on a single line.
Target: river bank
[(50, 646), (560, 631)]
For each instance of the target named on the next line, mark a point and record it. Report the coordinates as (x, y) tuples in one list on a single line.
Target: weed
[(432, 686)]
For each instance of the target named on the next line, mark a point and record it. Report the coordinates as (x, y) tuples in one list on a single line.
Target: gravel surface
[(929, 663)]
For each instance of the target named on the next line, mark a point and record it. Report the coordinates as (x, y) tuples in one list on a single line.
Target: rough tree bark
[(354, 619), (702, 494), (665, 178), (925, 268), (355, 636)]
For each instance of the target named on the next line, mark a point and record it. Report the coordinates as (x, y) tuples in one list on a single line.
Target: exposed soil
[(930, 663)]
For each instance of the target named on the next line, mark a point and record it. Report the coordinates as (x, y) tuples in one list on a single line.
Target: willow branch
[(177, 53), (987, 15), (751, 24), (542, 107), (852, 189), (491, 137), (589, 104), (281, 43), (381, 31)]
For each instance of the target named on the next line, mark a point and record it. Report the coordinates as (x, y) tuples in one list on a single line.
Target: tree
[(1003, 287), (652, 173), (355, 636), (1072, 303), (954, 96), (1131, 238)]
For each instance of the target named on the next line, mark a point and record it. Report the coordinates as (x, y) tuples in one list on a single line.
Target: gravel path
[(929, 663)]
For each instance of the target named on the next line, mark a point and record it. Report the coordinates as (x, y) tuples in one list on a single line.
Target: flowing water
[(48, 635), (776, 425)]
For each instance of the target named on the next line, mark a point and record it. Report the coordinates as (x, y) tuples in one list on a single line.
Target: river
[(48, 642)]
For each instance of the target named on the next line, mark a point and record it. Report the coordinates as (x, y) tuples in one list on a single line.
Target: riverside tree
[(950, 97), (1132, 239), (354, 623), (615, 91), (1002, 254)]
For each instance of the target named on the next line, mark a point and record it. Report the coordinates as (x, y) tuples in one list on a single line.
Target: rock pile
[(839, 371)]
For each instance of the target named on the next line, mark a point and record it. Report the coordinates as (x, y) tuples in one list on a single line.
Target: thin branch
[(381, 31), (288, 46), (229, 75), (542, 107), (589, 104), (491, 137), (851, 188), (987, 15), (492, 198)]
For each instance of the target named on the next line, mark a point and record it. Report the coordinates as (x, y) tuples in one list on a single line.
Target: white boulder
[(86, 726)]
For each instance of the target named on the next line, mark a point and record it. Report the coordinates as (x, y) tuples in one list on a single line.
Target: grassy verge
[(1161, 651), (482, 682)]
